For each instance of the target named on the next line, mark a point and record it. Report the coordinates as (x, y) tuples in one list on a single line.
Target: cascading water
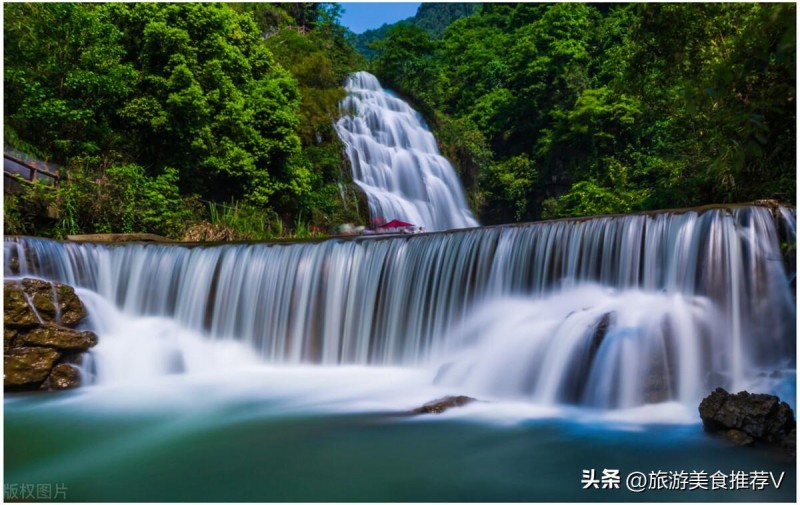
[(605, 312), (396, 162)]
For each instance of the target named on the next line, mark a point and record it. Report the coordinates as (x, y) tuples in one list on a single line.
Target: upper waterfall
[(396, 162)]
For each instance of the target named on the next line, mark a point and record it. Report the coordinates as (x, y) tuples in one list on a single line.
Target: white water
[(396, 162), (691, 301)]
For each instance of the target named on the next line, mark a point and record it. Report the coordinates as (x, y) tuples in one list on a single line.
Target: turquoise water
[(119, 445)]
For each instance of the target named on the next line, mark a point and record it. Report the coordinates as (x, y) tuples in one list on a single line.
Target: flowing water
[(396, 162), (281, 371)]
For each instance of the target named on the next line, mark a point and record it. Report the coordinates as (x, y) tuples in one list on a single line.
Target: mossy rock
[(27, 367), (9, 336), (17, 312), (63, 376), (58, 337), (442, 404), (55, 302)]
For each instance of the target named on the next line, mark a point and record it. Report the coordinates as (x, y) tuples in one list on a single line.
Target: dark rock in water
[(581, 362), (764, 418), (27, 367), (442, 404), (63, 376), (739, 437), (58, 337)]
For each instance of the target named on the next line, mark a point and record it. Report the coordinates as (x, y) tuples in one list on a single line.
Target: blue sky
[(360, 17)]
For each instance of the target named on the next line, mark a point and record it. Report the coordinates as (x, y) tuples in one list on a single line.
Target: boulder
[(739, 437), (763, 417), (17, 313), (55, 302), (58, 337), (26, 367), (747, 419), (38, 335), (9, 335), (63, 376), (442, 404)]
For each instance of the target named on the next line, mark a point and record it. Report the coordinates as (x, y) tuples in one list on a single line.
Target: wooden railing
[(19, 166)]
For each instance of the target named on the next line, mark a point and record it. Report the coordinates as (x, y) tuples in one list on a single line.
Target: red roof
[(394, 223)]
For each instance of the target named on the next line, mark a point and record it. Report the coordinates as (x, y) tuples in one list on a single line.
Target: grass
[(237, 221)]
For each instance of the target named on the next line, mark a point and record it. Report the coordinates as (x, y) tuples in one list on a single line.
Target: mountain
[(434, 18)]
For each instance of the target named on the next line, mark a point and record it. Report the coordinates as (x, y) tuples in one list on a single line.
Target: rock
[(17, 313), (63, 376), (574, 388), (9, 335), (442, 404), (55, 302), (59, 337), (26, 367), (36, 336), (760, 416), (764, 418), (739, 437)]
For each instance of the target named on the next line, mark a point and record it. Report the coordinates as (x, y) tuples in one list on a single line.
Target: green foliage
[(122, 199), (510, 181), (241, 221), (405, 62), (598, 109), (26, 213), (320, 62), (211, 102), (64, 77), (546, 109), (147, 103), (249, 223), (187, 86)]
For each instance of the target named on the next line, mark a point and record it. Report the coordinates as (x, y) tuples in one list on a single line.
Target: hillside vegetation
[(214, 121), (168, 115), (571, 109)]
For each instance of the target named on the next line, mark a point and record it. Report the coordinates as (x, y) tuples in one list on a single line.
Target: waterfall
[(611, 311), (396, 162)]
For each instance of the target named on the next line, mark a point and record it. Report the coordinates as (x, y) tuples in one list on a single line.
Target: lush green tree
[(612, 108), (212, 101), (65, 78), (185, 91), (320, 60), (405, 61)]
